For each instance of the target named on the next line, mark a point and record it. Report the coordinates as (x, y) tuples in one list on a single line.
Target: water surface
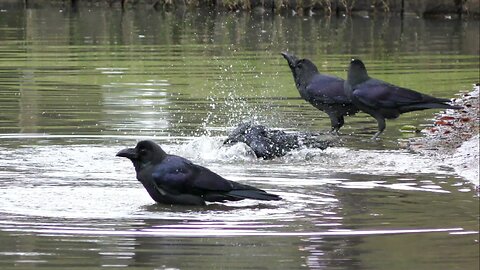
[(77, 87)]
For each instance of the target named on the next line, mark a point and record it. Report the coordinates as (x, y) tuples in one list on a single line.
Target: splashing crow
[(269, 143), (172, 179)]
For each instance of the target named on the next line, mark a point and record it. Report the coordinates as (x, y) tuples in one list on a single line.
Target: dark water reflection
[(77, 87)]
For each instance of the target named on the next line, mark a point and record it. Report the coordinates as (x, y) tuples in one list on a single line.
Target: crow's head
[(144, 154), (291, 59), (303, 70), (357, 73)]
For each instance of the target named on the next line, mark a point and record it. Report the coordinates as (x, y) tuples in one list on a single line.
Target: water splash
[(212, 148)]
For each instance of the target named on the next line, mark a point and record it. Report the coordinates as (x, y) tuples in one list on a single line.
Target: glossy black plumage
[(383, 100), (171, 179), (269, 143), (324, 92)]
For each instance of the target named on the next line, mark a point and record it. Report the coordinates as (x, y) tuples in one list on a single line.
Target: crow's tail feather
[(254, 194), (431, 105)]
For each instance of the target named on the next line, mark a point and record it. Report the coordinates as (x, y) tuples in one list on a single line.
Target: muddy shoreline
[(453, 138)]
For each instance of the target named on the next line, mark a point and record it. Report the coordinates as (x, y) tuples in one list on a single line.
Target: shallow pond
[(76, 87)]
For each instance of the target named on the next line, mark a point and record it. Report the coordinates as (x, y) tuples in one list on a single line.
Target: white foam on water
[(339, 159)]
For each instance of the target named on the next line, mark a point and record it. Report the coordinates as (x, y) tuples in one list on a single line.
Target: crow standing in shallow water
[(382, 100), (172, 179), (324, 92)]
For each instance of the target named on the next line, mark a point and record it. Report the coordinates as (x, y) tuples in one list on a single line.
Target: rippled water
[(77, 87)]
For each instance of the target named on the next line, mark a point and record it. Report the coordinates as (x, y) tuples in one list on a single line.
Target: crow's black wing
[(179, 175), (324, 89), (376, 93)]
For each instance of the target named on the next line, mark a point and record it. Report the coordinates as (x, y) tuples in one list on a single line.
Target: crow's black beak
[(291, 59), (130, 153)]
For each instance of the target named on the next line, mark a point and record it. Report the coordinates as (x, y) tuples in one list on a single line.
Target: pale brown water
[(77, 87)]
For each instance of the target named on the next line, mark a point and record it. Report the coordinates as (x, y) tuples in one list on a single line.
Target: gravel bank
[(454, 137)]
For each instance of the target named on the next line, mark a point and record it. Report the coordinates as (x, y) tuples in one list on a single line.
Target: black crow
[(324, 92), (172, 179), (270, 143), (382, 100)]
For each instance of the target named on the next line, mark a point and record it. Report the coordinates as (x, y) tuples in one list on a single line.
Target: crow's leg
[(381, 126)]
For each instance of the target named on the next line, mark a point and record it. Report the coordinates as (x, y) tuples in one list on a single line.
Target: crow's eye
[(142, 152)]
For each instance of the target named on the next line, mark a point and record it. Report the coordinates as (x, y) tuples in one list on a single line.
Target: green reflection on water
[(57, 78)]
